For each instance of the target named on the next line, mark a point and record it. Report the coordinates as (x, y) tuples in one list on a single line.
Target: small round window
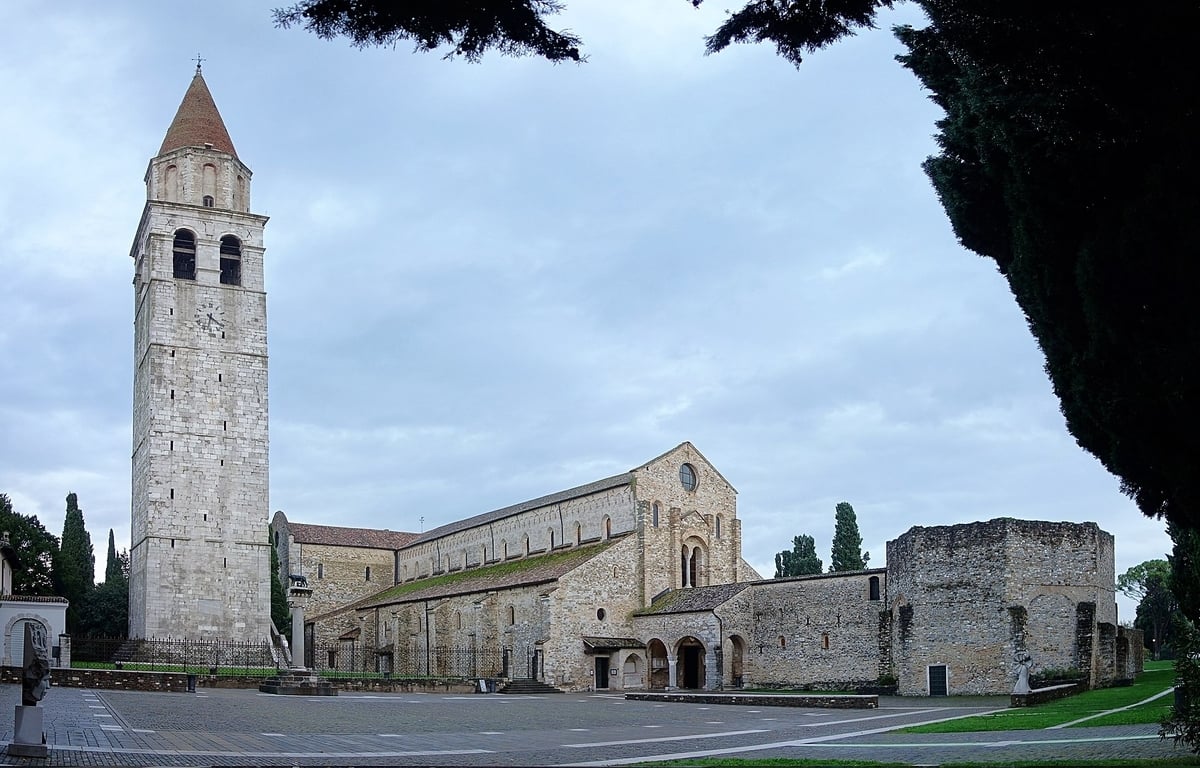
[(687, 477), (600, 614)]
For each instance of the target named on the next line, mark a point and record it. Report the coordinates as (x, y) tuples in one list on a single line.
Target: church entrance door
[(690, 672), (601, 672)]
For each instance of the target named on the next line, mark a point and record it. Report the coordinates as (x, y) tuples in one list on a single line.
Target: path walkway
[(241, 727)]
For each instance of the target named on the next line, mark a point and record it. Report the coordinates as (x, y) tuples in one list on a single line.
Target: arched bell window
[(231, 260), (183, 255)]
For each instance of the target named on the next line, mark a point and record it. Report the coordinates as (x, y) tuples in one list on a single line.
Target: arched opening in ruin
[(660, 674), (689, 665), (737, 654)]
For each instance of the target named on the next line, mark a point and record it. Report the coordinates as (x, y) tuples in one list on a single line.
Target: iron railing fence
[(351, 659), (225, 657)]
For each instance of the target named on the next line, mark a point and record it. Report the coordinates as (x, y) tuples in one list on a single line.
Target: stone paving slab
[(234, 727)]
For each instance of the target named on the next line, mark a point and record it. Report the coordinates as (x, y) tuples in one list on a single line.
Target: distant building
[(18, 610), (637, 581)]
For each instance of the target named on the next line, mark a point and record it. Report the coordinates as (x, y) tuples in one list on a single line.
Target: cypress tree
[(112, 567), (280, 614), (801, 561), (847, 554), (74, 569)]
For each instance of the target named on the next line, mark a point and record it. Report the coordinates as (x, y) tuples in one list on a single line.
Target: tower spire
[(197, 123)]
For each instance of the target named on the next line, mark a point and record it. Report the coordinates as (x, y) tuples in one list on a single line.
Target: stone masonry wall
[(339, 575), (200, 448), (705, 517), (970, 596), (811, 631), (586, 518)]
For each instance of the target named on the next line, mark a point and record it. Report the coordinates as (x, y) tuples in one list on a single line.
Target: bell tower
[(199, 554)]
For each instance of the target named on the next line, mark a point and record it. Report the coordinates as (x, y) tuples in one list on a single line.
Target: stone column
[(671, 684), (297, 599)]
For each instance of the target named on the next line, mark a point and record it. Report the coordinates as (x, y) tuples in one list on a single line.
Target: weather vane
[(198, 61)]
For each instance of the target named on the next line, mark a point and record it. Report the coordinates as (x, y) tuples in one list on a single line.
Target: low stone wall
[(1042, 695), (128, 680), (107, 679), (829, 701)]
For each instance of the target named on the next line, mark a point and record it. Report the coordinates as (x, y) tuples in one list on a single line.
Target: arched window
[(578, 533), (718, 526), (172, 184), (458, 620), (782, 641), (504, 548), (873, 586), (525, 544), (208, 201), (320, 570), (512, 615), (231, 260), (551, 538), (183, 253), (825, 640), (654, 512), (607, 527), (367, 574), (208, 177)]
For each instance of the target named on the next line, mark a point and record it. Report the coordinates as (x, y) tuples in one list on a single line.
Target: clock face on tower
[(210, 317)]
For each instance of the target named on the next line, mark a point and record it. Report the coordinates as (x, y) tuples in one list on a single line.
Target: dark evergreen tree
[(1185, 570), (802, 560), (847, 554), (75, 566), (1071, 166), (112, 564), (281, 615), (36, 550)]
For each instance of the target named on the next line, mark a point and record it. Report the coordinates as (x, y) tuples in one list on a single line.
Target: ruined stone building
[(637, 581)]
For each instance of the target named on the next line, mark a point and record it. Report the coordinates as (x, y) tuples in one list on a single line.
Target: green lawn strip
[(1066, 710), (707, 762)]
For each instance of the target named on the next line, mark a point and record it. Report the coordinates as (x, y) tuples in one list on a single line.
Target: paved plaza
[(244, 727)]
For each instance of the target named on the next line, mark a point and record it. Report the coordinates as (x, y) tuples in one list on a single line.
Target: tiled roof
[(616, 481), (332, 535), (611, 643), (694, 599), (515, 573), (197, 122)]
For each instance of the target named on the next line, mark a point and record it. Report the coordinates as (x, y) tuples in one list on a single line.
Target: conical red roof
[(197, 122)]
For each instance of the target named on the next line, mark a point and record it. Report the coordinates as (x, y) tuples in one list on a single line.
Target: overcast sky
[(489, 282)]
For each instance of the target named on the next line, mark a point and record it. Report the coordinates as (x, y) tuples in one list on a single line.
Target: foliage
[(1150, 584), (1183, 724), (513, 27), (1070, 166), (802, 560), (1068, 710), (847, 554), (1185, 570), (36, 550), (281, 616), (105, 612), (1073, 170), (75, 566)]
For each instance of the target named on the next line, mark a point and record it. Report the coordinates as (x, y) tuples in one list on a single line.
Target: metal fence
[(338, 659), (351, 658), (225, 657)]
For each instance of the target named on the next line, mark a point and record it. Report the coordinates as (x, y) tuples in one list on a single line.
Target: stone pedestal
[(29, 740)]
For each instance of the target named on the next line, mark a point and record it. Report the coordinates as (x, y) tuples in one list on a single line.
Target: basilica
[(626, 582)]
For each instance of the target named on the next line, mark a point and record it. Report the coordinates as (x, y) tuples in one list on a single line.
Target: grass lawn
[(713, 762), (1158, 677)]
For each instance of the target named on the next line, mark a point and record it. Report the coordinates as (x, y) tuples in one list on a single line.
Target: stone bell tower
[(200, 558)]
